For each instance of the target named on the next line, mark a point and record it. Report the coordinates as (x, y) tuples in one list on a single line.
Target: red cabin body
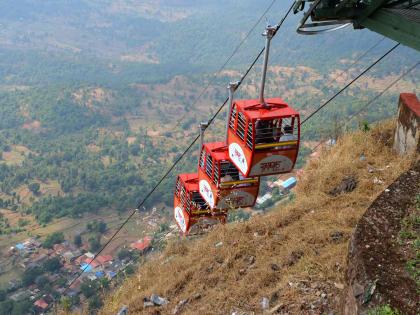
[(220, 183), (263, 139), (189, 207)]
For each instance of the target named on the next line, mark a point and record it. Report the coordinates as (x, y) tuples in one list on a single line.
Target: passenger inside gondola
[(228, 172), (233, 171), (198, 201), (277, 132), (263, 132), (288, 134), (271, 131)]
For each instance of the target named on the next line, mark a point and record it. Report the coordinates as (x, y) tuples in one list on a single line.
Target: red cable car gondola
[(220, 183), (264, 137), (190, 208)]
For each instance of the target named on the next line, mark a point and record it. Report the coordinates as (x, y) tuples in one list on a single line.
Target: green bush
[(54, 238), (34, 188), (383, 310), (238, 216)]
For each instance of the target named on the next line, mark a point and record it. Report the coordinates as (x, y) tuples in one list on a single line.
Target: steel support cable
[(210, 122), (197, 137), (144, 200), (135, 210), (360, 57), (351, 117), (350, 83), (374, 99), (381, 93), (212, 81)]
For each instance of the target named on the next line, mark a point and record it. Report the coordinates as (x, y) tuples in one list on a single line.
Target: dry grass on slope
[(295, 255)]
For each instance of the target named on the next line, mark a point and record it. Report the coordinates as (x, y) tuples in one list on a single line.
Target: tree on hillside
[(135, 150), (41, 281), (22, 307), (102, 227), (88, 288), (53, 264), (129, 270), (54, 238), (6, 307), (29, 275), (94, 303), (78, 240), (124, 253), (3, 295), (95, 243), (90, 226), (66, 303), (34, 188), (104, 283), (97, 226)]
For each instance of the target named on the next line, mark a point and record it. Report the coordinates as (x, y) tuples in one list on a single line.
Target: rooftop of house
[(92, 263), (41, 304), (104, 259), (142, 244)]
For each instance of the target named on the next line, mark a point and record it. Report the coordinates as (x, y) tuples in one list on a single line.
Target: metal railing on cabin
[(230, 176), (209, 165)]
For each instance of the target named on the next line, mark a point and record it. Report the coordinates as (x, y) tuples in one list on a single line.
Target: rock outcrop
[(377, 273)]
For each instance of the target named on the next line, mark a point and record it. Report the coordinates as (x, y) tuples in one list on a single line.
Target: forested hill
[(119, 42)]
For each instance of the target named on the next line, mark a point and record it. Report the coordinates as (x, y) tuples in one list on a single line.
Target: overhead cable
[(144, 200), (228, 59), (350, 83)]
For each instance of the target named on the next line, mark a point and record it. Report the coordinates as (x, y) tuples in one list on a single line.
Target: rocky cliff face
[(379, 252)]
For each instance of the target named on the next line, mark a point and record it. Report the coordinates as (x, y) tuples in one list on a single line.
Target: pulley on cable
[(327, 15)]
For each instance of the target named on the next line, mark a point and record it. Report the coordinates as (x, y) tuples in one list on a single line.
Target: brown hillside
[(295, 256)]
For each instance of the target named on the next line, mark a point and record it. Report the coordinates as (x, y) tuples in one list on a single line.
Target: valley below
[(99, 98)]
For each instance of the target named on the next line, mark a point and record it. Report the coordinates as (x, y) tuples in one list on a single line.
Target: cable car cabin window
[(240, 131), (209, 165), (202, 159), (289, 130), (198, 201), (249, 136), (228, 172), (268, 133), (276, 125), (232, 118)]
